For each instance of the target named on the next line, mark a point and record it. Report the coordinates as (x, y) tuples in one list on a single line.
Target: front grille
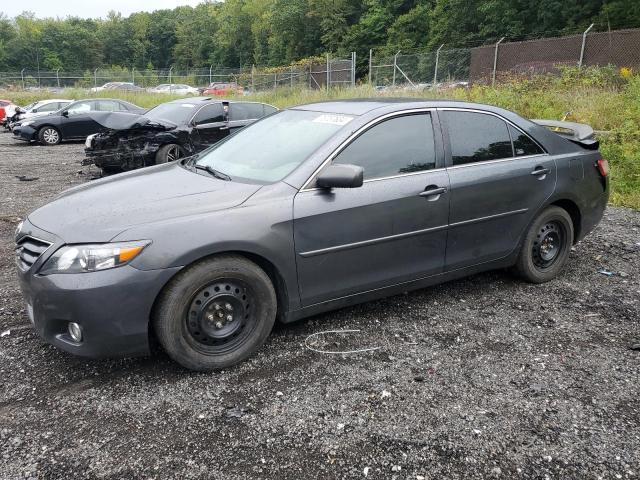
[(28, 250)]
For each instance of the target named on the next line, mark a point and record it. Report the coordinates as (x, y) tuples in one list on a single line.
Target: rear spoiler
[(578, 133)]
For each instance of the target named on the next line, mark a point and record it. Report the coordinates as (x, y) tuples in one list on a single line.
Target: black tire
[(110, 170), (546, 246), (49, 136), (227, 290), (169, 153)]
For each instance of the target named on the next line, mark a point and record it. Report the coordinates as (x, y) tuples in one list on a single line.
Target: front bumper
[(113, 307), (27, 133), (125, 160)]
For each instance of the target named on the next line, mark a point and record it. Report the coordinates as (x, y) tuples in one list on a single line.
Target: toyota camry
[(310, 209)]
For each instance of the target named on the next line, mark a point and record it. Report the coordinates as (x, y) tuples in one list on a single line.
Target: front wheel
[(546, 246), (169, 153), (215, 313), (49, 136)]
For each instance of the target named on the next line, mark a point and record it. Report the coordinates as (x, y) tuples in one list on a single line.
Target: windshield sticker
[(333, 119)]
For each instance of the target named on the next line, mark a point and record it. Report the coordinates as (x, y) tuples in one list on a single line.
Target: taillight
[(603, 167)]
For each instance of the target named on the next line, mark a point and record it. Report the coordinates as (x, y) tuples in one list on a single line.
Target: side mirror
[(340, 176), (65, 113)]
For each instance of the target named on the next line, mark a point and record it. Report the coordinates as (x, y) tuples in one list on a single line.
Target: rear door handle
[(433, 192), (224, 128), (539, 171)]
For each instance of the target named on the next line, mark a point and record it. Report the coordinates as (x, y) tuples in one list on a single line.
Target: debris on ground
[(24, 178)]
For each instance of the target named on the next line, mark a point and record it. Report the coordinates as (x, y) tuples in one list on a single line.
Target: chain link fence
[(334, 72), (419, 71), (486, 64), (442, 68)]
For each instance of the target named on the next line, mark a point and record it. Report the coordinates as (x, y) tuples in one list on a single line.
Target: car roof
[(201, 100), (361, 106)]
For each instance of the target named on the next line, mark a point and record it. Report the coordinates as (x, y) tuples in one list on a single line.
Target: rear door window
[(477, 137), (393, 147), (246, 111), (49, 107)]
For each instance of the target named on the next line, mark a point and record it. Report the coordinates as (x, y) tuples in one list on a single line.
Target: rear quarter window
[(523, 145)]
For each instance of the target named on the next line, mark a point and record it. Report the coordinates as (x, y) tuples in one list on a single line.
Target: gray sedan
[(310, 209)]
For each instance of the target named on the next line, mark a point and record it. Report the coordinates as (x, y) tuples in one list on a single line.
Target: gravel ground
[(479, 378)]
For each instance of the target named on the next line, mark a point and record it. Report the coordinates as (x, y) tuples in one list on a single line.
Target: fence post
[(22, 77), (275, 81), (95, 78), (253, 80), (291, 76), (353, 69), (395, 65), (435, 70), (370, 63), (495, 62), (133, 75), (328, 72), (170, 84), (584, 43)]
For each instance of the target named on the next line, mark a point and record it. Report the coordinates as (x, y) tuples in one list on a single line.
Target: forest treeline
[(237, 33)]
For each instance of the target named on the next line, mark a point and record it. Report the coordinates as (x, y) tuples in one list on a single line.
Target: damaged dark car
[(168, 132)]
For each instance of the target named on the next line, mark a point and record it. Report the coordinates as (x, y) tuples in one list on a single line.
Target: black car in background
[(168, 132), (74, 122)]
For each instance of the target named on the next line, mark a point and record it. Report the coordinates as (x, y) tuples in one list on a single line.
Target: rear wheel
[(49, 136), (546, 246), (216, 313), (169, 153)]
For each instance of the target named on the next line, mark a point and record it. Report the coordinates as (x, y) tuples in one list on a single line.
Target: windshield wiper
[(213, 172)]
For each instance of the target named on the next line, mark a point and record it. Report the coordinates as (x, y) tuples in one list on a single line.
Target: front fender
[(261, 227)]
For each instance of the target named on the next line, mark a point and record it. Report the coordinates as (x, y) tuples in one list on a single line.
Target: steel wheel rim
[(50, 135), (174, 154), (220, 316), (548, 245)]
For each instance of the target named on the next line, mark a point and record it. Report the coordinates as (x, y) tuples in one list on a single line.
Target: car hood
[(100, 210), (127, 121)]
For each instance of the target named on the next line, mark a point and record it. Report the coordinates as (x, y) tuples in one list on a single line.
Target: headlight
[(91, 258), (89, 141), (19, 228), (26, 124)]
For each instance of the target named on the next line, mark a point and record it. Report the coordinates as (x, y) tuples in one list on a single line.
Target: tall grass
[(598, 97)]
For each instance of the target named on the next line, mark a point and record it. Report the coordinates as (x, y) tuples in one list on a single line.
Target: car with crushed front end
[(310, 209), (73, 122), (168, 132)]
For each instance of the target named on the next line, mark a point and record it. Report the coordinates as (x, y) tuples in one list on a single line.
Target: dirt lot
[(485, 377)]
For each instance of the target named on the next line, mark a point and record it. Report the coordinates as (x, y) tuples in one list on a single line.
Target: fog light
[(75, 332)]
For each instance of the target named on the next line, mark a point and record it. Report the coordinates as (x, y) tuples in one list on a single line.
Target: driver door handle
[(433, 192), (540, 171)]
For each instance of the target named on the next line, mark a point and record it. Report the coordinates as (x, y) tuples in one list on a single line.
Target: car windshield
[(270, 149), (177, 113)]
